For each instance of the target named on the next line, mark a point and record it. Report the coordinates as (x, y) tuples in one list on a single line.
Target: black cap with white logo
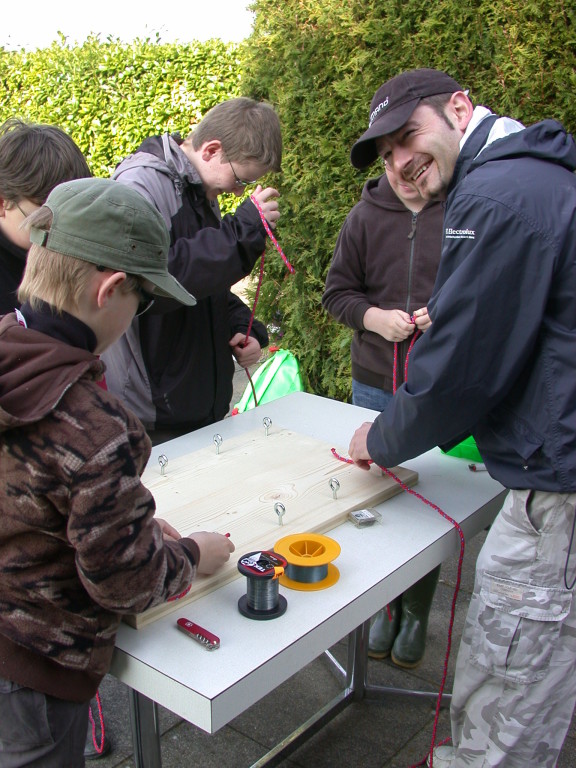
[(392, 105)]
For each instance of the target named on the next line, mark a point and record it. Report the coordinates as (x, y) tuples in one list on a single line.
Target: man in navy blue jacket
[(497, 362)]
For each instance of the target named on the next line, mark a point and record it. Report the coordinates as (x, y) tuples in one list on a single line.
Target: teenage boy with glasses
[(174, 367)]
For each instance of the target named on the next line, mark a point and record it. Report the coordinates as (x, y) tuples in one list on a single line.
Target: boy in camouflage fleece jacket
[(79, 544)]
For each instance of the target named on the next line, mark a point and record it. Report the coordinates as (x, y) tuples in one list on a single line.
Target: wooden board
[(234, 491)]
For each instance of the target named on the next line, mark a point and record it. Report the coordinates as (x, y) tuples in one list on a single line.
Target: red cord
[(395, 386), (454, 599), (259, 286), (252, 387), (181, 595), (256, 296), (98, 747), (270, 235), (251, 321), (395, 365)]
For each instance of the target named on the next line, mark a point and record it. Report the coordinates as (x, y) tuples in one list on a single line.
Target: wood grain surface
[(234, 490)]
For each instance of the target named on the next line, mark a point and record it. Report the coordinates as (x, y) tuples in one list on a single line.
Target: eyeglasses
[(146, 301), (240, 182), (146, 298), (22, 211)]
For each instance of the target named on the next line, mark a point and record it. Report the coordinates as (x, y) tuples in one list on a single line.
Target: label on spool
[(266, 565), (262, 570)]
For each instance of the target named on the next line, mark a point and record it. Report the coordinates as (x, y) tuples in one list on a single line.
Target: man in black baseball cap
[(392, 105), (496, 362)]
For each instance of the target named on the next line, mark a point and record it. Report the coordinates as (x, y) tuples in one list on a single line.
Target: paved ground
[(394, 734)]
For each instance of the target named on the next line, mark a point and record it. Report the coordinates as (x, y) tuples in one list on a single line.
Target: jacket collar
[(472, 146)]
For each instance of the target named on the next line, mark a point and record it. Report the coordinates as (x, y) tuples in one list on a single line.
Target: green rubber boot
[(410, 643), (383, 630)]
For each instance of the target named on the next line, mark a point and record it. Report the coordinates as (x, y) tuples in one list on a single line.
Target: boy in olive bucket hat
[(79, 543)]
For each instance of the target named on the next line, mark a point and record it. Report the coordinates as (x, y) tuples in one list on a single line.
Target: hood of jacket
[(163, 154), (546, 140), (36, 370)]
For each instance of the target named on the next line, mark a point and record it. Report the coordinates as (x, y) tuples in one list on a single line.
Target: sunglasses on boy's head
[(146, 298), (146, 301)]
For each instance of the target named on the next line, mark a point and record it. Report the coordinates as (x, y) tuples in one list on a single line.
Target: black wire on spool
[(262, 600), (307, 575)]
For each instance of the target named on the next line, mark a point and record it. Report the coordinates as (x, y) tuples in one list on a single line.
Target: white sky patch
[(37, 24)]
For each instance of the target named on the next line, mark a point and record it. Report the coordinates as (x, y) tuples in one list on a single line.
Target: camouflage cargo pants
[(515, 684)]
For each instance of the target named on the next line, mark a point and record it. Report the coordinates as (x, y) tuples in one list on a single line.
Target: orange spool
[(309, 557)]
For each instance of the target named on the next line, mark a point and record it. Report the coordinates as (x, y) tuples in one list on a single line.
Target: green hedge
[(109, 95), (320, 61)]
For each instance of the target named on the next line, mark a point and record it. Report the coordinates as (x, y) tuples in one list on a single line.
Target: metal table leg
[(144, 713), (145, 731), (356, 673), (354, 691)]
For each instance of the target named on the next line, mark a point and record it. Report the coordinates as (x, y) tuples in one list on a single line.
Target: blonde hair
[(56, 278), (248, 130)]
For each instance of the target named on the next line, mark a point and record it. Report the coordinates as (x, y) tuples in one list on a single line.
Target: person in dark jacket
[(497, 362), (379, 283), (174, 367), (34, 158), (79, 543)]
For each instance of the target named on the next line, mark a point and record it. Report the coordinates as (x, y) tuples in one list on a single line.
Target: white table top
[(210, 688)]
